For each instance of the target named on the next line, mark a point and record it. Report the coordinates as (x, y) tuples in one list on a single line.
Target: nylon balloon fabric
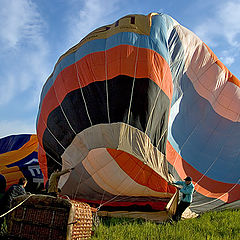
[(135, 104), (19, 158)]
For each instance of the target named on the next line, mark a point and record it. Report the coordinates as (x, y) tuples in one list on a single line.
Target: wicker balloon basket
[(42, 217), (82, 225)]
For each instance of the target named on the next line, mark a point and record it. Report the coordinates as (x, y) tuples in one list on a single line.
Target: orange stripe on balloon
[(12, 175), (42, 160), (231, 77), (121, 60), (207, 186), (140, 172), (11, 157)]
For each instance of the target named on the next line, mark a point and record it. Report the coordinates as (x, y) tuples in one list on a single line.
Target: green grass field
[(224, 225)]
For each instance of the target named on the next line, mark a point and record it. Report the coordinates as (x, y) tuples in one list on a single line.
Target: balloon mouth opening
[(118, 181)]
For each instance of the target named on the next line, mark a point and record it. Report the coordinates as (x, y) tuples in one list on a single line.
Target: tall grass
[(224, 225), (218, 225)]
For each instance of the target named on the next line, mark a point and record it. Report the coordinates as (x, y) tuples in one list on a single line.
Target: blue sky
[(35, 33)]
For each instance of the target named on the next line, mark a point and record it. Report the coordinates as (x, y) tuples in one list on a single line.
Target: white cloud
[(224, 23), (16, 127), (227, 58), (206, 31), (23, 50), (7, 90), (86, 18), (19, 20), (229, 18), (222, 30)]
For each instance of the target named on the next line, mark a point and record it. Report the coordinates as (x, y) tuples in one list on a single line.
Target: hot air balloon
[(19, 158), (135, 104)]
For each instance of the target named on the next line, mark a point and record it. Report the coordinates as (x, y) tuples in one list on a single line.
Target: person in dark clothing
[(14, 191), (187, 192)]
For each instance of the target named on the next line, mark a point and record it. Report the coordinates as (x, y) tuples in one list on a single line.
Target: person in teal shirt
[(187, 192)]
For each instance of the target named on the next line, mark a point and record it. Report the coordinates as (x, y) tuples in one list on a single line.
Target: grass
[(217, 225), (224, 225)]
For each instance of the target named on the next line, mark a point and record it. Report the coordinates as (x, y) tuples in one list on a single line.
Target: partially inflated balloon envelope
[(135, 103), (19, 158)]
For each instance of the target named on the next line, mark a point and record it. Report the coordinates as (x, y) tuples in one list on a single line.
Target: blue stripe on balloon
[(157, 41), (202, 137), (27, 159), (13, 142)]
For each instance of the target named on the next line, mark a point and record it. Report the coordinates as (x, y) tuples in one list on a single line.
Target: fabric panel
[(108, 135), (120, 60), (203, 137), (20, 160), (156, 42), (107, 173), (148, 112), (209, 77), (140, 172), (208, 187), (13, 142), (84, 185)]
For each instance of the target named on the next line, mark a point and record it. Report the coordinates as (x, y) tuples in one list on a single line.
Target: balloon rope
[(106, 82), (52, 133), (102, 199), (199, 123), (61, 104), (56, 140), (80, 86), (133, 181), (231, 188), (211, 165), (133, 84), (120, 191), (218, 197), (155, 102), (50, 155), (161, 139), (187, 139), (110, 200), (217, 157), (198, 77), (17, 205), (79, 182)]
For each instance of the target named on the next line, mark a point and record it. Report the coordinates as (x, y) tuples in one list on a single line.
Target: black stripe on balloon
[(146, 95)]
